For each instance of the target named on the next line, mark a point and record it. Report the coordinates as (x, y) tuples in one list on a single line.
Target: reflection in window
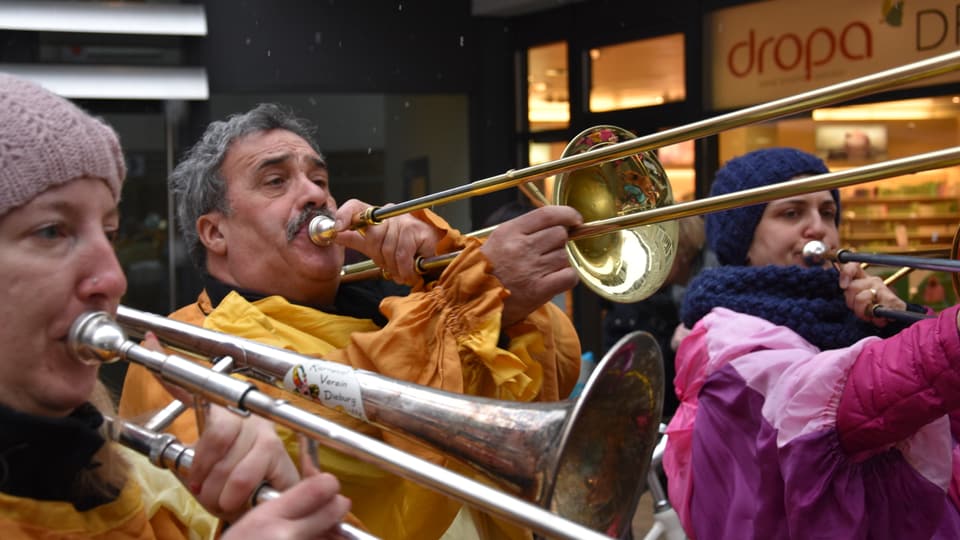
[(543, 153), (677, 161), (548, 99), (641, 73)]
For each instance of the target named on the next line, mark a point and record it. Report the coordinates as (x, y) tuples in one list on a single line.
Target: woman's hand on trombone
[(310, 509), (863, 292), (235, 455), (529, 258)]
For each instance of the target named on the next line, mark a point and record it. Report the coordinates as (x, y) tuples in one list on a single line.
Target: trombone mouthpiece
[(95, 338), (814, 253), (321, 231)]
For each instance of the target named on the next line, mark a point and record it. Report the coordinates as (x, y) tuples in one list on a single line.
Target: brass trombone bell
[(586, 459), (631, 263)]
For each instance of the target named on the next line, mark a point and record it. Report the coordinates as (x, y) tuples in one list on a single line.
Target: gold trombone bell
[(629, 264)]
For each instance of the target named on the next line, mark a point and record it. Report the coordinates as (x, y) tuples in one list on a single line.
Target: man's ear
[(208, 229)]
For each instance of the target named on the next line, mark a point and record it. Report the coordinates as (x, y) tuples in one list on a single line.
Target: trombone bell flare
[(630, 264), (609, 437)]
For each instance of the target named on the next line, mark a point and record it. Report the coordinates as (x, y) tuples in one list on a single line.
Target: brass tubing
[(885, 259), (907, 270), (818, 252), (823, 182), (835, 93), (896, 276), (369, 269), (868, 173)]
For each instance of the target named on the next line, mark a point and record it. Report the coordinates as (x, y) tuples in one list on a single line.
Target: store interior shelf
[(870, 237), (911, 219), (908, 250), (860, 201)]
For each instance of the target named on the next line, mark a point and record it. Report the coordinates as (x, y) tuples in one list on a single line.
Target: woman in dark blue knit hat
[(801, 414)]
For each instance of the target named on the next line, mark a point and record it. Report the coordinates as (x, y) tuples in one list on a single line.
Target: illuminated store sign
[(759, 52)]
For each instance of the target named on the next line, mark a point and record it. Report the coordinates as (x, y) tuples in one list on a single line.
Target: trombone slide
[(96, 335), (816, 252), (585, 460), (898, 315), (881, 259)]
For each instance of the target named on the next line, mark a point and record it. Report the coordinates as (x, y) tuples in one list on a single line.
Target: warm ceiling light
[(544, 111)]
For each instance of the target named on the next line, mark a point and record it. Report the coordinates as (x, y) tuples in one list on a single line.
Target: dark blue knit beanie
[(730, 233)]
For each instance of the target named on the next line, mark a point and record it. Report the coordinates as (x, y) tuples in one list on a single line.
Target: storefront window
[(548, 97), (677, 161), (640, 73), (543, 153)]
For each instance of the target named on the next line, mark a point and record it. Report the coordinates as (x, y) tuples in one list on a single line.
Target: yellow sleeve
[(166, 502)]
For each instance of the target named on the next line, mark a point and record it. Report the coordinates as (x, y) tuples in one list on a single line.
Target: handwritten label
[(333, 385)]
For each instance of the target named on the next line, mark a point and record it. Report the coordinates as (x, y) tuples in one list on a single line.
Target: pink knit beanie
[(46, 141)]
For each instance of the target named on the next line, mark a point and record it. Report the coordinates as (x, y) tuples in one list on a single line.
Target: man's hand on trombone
[(394, 245), (529, 258)]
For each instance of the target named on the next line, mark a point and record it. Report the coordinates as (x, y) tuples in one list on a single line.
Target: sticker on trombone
[(333, 385)]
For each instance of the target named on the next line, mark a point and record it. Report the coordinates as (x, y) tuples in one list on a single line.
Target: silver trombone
[(584, 472)]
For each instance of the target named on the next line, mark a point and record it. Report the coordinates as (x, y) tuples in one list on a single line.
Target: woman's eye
[(112, 235), (50, 232)]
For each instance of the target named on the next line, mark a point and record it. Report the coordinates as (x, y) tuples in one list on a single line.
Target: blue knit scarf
[(807, 300)]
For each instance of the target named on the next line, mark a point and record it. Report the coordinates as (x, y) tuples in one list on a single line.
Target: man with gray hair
[(246, 193)]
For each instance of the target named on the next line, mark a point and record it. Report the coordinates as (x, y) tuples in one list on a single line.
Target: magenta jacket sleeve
[(899, 384)]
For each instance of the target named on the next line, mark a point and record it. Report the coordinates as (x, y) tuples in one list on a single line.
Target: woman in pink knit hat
[(61, 174)]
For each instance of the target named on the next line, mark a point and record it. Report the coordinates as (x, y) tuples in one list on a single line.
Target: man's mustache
[(306, 215)]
